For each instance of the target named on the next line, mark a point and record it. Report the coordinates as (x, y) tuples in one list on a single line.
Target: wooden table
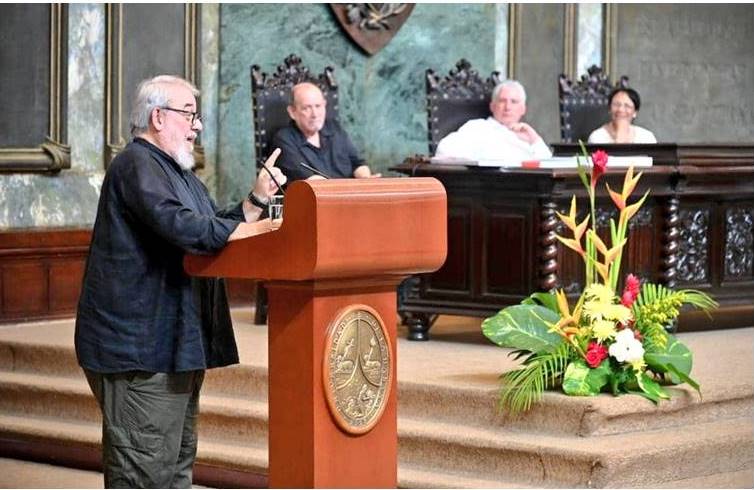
[(696, 230)]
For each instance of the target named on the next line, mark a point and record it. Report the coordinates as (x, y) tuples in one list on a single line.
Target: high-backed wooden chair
[(583, 104), (456, 98), (270, 96)]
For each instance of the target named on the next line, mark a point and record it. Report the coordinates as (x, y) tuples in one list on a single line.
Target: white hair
[(509, 83), (151, 94)]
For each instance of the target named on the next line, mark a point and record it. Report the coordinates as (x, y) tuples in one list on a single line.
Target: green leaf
[(523, 327), (580, 167), (675, 353), (580, 380), (686, 378), (547, 300), (650, 388)]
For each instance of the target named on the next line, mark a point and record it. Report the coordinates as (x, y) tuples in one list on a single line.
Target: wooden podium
[(331, 271)]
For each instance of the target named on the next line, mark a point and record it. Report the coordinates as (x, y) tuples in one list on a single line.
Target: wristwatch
[(253, 199)]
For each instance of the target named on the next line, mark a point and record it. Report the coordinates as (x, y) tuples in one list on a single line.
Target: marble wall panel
[(69, 198), (694, 68), (382, 102)]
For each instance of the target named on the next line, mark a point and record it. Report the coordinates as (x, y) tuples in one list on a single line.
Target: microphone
[(312, 169)]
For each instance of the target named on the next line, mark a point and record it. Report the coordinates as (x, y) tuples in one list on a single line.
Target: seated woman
[(624, 105)]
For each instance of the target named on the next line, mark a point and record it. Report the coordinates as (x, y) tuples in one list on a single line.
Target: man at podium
[(145, 330)]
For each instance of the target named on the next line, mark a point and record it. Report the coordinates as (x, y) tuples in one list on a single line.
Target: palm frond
[(522, 387)]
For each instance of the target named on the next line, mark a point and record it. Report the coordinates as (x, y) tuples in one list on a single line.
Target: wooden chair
[(270, 96), (458, 97), (584, 104)]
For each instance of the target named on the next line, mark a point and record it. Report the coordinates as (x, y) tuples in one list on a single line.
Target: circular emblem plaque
[(357, 368)]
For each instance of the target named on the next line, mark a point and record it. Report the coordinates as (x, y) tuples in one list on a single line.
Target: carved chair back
[(270, 97), (584, 104), (451, 101)]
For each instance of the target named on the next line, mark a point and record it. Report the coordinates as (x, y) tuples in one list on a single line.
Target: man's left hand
[(265, 186)]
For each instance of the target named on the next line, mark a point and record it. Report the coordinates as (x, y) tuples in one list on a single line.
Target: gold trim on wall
[(570, 40), (114, 141), (53, 154), (609, 37), (514, 38)]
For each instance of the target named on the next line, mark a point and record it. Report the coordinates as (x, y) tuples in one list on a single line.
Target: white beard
[(184, 158)]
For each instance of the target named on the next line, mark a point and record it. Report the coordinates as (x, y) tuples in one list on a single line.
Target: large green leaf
[(650, 388), (549, 301), (675, 353), (523, 327), (581, 380)]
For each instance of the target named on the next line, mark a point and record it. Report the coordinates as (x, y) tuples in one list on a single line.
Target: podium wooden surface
[(343, 247)]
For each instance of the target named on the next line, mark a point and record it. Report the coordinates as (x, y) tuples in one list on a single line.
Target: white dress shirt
[(641, 135), (487, 139)]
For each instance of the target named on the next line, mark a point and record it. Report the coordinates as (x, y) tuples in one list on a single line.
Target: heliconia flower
[(599, 164), (630, 291), (595, 354), (626, 348), (629, 184)]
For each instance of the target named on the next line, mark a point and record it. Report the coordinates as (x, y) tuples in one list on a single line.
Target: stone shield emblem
[(371, 25)]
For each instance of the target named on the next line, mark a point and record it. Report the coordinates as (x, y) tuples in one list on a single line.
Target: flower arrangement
[(610, 340)]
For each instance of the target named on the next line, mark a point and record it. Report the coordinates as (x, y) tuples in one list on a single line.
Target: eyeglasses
[(193, 117)]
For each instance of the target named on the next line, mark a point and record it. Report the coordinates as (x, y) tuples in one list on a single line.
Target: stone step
[(557, 413), (221, 417), (36, 387), (620, 460), (414, 478), (27, 474), (225, 454)]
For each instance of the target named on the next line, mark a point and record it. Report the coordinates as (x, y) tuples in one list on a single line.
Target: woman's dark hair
[(632, 94)]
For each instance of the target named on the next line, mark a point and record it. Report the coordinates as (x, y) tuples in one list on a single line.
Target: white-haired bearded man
[(145, 330)]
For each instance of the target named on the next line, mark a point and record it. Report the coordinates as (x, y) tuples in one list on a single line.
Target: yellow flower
[(603, 330), (600, 293), (607, 311), (638, 365)]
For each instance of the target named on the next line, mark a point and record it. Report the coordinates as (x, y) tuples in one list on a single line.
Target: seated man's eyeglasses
[(193, 117)]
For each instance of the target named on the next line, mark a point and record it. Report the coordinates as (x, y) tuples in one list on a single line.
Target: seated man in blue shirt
[(313, 140)]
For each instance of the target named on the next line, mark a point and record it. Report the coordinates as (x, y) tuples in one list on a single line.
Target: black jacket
[(138, 309)]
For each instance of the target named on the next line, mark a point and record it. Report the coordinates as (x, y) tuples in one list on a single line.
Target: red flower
[(599, 163), (630, 291), (595, 354)]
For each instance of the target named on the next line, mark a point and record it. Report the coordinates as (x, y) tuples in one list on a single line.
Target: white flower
[(626, 348)]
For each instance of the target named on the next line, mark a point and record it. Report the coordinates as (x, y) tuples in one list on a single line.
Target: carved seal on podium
[(357, 368)]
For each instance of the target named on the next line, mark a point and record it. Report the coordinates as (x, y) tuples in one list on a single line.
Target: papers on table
[(554, 162)]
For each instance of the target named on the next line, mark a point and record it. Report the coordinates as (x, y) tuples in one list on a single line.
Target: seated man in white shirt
[(501, 136)]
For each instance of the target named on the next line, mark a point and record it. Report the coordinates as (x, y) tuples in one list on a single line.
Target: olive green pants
[(148, 427)]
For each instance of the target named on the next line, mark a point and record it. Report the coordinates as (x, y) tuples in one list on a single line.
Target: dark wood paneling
[(25, 289), (453, 276), (506, 236), (41, 272)]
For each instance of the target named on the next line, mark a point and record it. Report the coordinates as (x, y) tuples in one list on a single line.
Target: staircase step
[(557, 413), (26, 474), (222, 417), (415, 478), (622, 460)]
